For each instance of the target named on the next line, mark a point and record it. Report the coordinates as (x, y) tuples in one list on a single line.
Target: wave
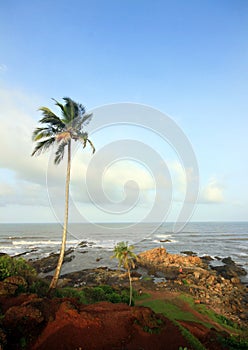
[(38, 243)]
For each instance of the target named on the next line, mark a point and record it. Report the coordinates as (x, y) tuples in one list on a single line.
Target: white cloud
[(213, 192)]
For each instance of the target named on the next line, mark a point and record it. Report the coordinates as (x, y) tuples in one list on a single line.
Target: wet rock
[(206, 258), (188, 252), (83, 244), (49, 263), (228, 261), (229, 271), (165, 240)]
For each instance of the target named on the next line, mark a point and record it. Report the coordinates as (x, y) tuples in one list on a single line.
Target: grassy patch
[(174, 313), (170, 310), (204, 310), (141, 297), (196, 344)]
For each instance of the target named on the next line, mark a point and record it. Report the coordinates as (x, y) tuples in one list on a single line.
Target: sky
[(181, 62)]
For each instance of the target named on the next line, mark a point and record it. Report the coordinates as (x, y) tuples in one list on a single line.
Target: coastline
[(219, 287), (162, 281)]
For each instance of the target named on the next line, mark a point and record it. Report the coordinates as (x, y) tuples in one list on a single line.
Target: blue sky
[(188, 59)]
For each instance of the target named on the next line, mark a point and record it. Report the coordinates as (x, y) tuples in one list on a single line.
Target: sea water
[(217, 239)]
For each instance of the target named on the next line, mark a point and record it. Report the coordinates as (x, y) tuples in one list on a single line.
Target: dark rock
[(217, 258), (206, 258), (229, 271), (83, 244), (165, 240), (29, 251), (49, 263), (69, 251), (189, 252), (3, 254), (228, 261)]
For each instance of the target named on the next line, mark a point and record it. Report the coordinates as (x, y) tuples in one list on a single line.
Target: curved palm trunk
[(54, 281), (130, 287)]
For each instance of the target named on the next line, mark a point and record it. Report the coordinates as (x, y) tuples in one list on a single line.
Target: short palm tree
[(124, 253), (62, 131)]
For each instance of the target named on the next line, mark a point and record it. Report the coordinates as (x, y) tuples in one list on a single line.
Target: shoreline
[(161, 281), (100, 258), (220, 288)]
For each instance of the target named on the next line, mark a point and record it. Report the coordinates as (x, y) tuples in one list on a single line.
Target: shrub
[(68, 292), (39, 287), (106, 293), (15, 267)]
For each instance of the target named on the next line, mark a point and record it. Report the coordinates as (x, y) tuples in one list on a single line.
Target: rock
[(49, 263), (83, 244), (165, 240), (158, 259), (228, 261), (244, 316), (229, 271), (235, 280), (206, 258), (189, 252), (196, 274)]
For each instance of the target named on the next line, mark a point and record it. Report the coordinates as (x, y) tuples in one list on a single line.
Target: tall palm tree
[(124, 253), (62, 131)]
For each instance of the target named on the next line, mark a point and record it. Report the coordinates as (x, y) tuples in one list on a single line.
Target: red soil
[(108, 326)]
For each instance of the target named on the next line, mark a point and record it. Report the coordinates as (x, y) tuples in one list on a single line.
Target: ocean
[(217, 239)]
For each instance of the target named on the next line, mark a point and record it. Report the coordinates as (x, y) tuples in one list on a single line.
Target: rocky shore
[(219, 287), (29, 321)]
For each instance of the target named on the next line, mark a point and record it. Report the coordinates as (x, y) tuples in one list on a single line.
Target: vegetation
[(234, 343), (15, 267), (62, 131), (124, 253), (91, 295)]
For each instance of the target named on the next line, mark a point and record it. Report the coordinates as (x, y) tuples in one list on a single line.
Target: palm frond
[(53, 121), (87, 118), (43, 146), (59, 155), (40, 133), (63, 110)]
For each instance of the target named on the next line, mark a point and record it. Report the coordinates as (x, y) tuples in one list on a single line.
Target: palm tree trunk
[(54, 281), (130, 287)]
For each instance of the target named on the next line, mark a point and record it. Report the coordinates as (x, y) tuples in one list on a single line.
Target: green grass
[(204, 310), (170, 310), (141, 297), (175, 314), (196, 344)]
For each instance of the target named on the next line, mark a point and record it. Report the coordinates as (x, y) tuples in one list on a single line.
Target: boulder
[(49, 263)]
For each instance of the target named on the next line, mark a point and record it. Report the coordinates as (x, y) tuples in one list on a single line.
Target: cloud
[(27, 174), (213, 192)]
